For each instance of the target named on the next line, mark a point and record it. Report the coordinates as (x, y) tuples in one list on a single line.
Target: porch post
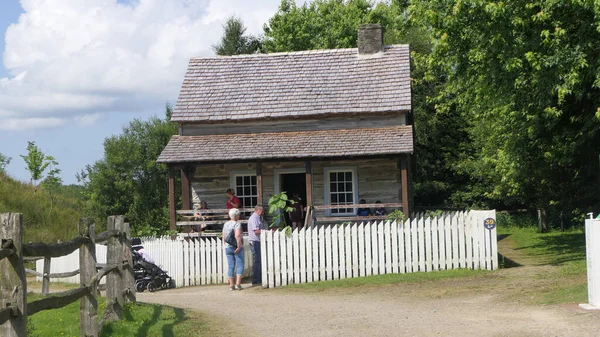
[(185, 188), (404, 178), (309, 184), (259, 185), (172, 211)]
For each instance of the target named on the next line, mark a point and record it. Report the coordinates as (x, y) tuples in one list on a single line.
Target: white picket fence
[(196, 262), (69, 263), (451, 241)]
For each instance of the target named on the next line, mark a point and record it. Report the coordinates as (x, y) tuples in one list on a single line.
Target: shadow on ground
[(563, 248)]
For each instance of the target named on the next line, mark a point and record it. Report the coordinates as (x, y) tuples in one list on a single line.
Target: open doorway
[(293, 183)]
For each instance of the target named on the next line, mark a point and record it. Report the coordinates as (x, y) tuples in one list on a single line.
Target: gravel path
[(387, 311), (492, 304)]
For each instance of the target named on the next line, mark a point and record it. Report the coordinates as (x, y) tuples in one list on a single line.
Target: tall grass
[(45, 219)]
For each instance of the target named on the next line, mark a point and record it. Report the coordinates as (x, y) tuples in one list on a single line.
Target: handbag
[(230, 239)]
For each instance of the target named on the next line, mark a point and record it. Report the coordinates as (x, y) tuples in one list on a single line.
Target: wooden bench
[(210, 216)]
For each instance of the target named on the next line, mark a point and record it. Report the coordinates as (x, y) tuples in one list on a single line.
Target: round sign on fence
[(489, 223)]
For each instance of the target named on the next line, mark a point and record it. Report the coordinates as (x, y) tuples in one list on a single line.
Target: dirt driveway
[(489, 305)]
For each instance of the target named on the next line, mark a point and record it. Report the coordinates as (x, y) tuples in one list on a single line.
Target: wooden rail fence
[(120, 283)]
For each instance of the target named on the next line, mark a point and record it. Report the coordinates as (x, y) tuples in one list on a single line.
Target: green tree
[(235, 41), (524, 74), (4, 161), (36, 162), (127, 180), (53, 181), (440, 135)]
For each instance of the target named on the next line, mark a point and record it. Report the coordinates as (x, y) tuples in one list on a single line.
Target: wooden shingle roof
[(281, 145), (295, 84)]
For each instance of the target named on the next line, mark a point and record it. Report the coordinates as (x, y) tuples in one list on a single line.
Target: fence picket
[(388, 246), (302, 252), (334, 249), (309, 251), (494, 243), (362, 253), (374, 248), (202, 253), (355, 250), (321, 238), (442, 241), (468, 241), (296, 248), (401, 248), (394, 246), (283, 258), (315, 257), (348, 244), (186, 263), (381, 245), (448, 230), (435, 245), (454, 229), (270, 258), (414, 240), (421, 238), (328, 254), (428, 248), (277, 258), (461, 240), (368, 252), (408, 246), (342, 248)]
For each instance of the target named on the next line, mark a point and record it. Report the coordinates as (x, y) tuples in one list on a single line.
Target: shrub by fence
[(120, 286), (450, 241)]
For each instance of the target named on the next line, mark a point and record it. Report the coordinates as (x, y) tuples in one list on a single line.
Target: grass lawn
[(565, 279), (139, 320)]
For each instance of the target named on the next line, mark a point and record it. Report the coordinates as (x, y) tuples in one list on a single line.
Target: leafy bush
[(397, 216)]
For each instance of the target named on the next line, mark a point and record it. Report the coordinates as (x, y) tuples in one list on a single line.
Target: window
[(341, 189), (244, 185)]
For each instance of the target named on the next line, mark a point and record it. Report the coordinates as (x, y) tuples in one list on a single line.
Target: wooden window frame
[(327, 182)]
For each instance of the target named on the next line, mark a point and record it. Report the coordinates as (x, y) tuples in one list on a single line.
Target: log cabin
[(333, 126)]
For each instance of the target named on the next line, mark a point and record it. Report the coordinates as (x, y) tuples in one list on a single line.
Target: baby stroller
[(147, 274)]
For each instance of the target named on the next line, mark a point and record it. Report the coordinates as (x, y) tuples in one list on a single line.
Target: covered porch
[(330, 170)]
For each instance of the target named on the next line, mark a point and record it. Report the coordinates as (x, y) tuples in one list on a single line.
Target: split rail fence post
[(114, 281), (13, 286), (88, 305), (46, 276), (128, 276)]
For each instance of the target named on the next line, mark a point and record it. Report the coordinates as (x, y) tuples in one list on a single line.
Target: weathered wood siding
[(378, 179), (352, 122)]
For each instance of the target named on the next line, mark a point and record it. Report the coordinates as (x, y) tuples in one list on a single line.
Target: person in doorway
[(256, 225), (297, 214), (234, 253), (232, 200), (380, 210), (363, 211)]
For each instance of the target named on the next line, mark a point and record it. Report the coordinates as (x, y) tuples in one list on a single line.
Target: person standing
[(232, 200), (256, 225), (234, 253)]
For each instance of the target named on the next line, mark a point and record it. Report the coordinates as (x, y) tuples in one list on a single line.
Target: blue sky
[(75, 72)]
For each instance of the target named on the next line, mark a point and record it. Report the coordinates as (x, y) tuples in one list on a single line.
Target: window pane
[(247, 190), (342, 198), (254, 202), (247, 180), (341, 187), (238, 180), (340, 176), (350, 197), (348, 187), (253, 180), (333, 187), (239, 191), (332, 176), (254, 190), (334, 199), (334, 211), (348, 176)]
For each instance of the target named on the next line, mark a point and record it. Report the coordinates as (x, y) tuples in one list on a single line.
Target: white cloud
[(73, 60)]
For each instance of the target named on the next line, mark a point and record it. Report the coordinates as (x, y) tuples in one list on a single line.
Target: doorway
[(292, 182)]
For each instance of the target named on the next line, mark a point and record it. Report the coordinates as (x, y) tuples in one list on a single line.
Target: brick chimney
[(370, 39)]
